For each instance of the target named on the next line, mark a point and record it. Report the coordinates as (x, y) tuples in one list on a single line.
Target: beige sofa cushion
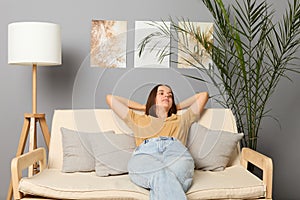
[(81, 185), (233, 182)]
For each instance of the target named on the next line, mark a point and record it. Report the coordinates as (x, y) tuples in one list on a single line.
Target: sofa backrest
[(96, 120)]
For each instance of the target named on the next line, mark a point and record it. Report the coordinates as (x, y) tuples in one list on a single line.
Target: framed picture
[(149, 58), (108, 43), (190, 52)]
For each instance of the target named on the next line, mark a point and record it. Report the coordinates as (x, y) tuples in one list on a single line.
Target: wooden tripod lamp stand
[(33, 44)]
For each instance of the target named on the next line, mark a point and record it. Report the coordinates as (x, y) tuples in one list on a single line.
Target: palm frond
[(250, 54)]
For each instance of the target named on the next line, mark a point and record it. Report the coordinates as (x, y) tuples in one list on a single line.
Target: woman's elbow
[(109, 99), (203, 96)]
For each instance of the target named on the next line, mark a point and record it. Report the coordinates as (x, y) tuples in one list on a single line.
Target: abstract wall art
[(108, 43), (190, 52)]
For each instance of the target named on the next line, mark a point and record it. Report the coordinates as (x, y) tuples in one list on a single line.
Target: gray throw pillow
[(77, 150), (112, 153), (211, 149)]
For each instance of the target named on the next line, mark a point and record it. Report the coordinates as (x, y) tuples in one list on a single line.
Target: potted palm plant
[(250, 54)]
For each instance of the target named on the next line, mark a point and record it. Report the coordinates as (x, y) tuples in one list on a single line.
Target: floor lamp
[(33, 44)]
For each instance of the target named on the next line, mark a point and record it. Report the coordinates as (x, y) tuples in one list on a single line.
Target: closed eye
[(162, 93)]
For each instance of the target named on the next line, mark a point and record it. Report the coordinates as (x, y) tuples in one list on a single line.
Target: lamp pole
[(34, 72)]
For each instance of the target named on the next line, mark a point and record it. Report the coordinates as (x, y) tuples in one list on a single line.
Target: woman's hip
[(161, 145), (162, 152)]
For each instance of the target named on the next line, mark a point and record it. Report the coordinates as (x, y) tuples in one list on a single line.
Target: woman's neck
[(161, 113)]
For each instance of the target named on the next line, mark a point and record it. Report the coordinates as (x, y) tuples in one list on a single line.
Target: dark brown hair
[(151, 102)]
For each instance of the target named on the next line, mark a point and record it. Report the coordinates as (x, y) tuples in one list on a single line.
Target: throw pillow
[(77, 150), (211, 149), (112, 153)]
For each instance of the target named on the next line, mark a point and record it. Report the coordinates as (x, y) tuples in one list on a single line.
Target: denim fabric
[(164, 166)]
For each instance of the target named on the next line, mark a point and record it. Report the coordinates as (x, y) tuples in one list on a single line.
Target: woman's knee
[(140, 180)]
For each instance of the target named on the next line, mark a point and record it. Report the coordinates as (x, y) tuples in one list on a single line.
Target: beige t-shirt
[(146, 126)]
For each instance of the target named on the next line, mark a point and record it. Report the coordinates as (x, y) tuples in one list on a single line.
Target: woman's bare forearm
[(196, 102), (188, 102), (129, 103)]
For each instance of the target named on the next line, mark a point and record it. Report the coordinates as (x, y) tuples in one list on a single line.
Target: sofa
[(212, 180)]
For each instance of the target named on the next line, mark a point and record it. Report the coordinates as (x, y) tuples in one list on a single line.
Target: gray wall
[(76, 85)]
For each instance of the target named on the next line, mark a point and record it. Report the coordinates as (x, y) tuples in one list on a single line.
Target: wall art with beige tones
[(189, 49), (109, 40), (108, 43)]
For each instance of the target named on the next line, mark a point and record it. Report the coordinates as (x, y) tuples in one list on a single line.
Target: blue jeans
[(163, 165)]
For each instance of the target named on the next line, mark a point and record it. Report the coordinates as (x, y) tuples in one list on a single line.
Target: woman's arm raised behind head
[(120, 105), (196, 102)]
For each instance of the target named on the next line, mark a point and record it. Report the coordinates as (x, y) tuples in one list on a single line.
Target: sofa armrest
[(262, 162), (19, 163)]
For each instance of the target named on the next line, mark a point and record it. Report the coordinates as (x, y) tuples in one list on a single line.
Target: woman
[(161, 162)]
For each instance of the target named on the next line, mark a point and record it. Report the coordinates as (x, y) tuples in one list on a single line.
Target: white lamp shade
[(34, 43)]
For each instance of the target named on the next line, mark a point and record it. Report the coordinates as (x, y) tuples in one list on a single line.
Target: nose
[(167, 96)]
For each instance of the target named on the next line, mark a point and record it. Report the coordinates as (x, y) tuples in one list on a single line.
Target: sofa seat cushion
[(53, 183), (233, 182)]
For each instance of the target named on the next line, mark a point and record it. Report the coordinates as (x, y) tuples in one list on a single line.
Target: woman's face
[(164, 97)]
